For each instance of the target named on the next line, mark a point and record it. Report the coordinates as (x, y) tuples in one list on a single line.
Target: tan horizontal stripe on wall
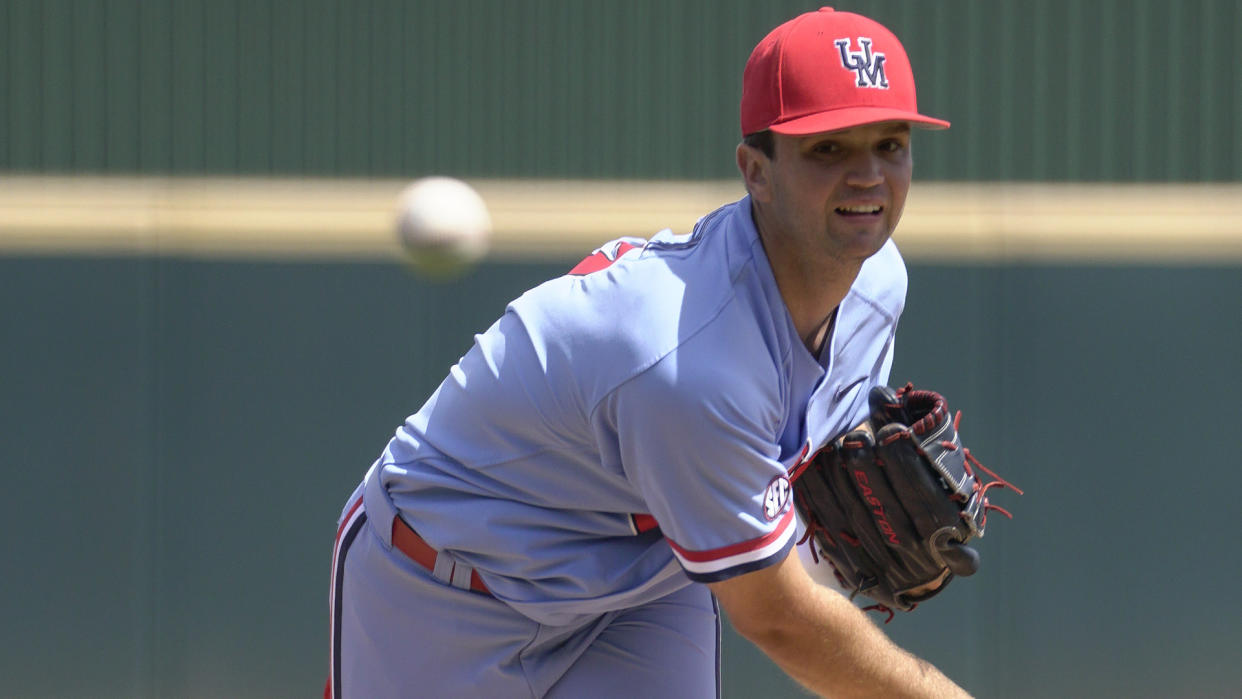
[(329, 218)]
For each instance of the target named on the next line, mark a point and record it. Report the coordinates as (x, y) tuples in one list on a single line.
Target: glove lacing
[(979, 486)]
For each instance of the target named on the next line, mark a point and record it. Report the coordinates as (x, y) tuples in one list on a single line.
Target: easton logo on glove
[(893, 506), (881, 521)]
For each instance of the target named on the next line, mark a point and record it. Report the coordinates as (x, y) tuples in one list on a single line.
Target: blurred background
[(208, 334)]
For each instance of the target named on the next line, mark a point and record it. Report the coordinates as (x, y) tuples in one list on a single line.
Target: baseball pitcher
[(618, 456)]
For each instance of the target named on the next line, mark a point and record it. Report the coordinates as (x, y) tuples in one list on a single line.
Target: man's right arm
[(819, 638)]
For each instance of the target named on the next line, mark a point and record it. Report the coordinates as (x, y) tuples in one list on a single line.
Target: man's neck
[(812, 287), (815, 343)]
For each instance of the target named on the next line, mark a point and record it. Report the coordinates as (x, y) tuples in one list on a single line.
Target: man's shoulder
[(685, 295), (646, 291)]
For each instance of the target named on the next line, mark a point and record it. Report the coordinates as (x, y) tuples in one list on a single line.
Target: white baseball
[(443, 224)]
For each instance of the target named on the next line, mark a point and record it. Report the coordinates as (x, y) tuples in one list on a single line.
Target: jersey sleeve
[(697, 438)]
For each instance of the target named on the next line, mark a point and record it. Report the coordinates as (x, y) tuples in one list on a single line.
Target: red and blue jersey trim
[(346, 532), (714, 565)]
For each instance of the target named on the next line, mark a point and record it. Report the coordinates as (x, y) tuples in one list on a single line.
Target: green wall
[(176, 436), (179, 436), (1111, 90)]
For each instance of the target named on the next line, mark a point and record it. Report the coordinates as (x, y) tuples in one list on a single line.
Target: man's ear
[(753, 165)]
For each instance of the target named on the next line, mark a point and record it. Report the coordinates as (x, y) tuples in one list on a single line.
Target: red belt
[(411, 544)]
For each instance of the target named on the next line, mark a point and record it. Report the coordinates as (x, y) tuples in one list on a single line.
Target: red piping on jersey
[(601, 259), (734, 549), (801, 463)]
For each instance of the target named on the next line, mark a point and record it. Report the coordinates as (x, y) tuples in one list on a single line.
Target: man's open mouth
[(869, 210)]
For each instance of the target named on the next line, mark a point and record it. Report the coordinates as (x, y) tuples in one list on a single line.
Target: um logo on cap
[(869, 66)]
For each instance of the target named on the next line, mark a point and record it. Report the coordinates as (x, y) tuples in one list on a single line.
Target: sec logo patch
[(776, 497)]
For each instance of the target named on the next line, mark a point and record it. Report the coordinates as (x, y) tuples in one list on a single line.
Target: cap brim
[(838, 119)]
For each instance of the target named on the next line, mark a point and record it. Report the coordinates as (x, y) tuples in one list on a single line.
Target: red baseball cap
[(825, 71)]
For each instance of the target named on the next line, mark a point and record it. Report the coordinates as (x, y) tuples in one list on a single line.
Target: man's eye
[(891, 146), (827, 148)]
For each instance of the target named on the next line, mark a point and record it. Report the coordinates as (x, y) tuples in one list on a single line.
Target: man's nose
[(864, 171)]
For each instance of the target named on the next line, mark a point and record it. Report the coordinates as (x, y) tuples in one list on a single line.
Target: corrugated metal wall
[(1106, 90)]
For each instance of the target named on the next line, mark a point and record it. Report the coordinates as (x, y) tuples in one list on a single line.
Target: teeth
[(859, 209)]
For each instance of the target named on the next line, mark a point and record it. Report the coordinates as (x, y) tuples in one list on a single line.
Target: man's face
[(838, 193)]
